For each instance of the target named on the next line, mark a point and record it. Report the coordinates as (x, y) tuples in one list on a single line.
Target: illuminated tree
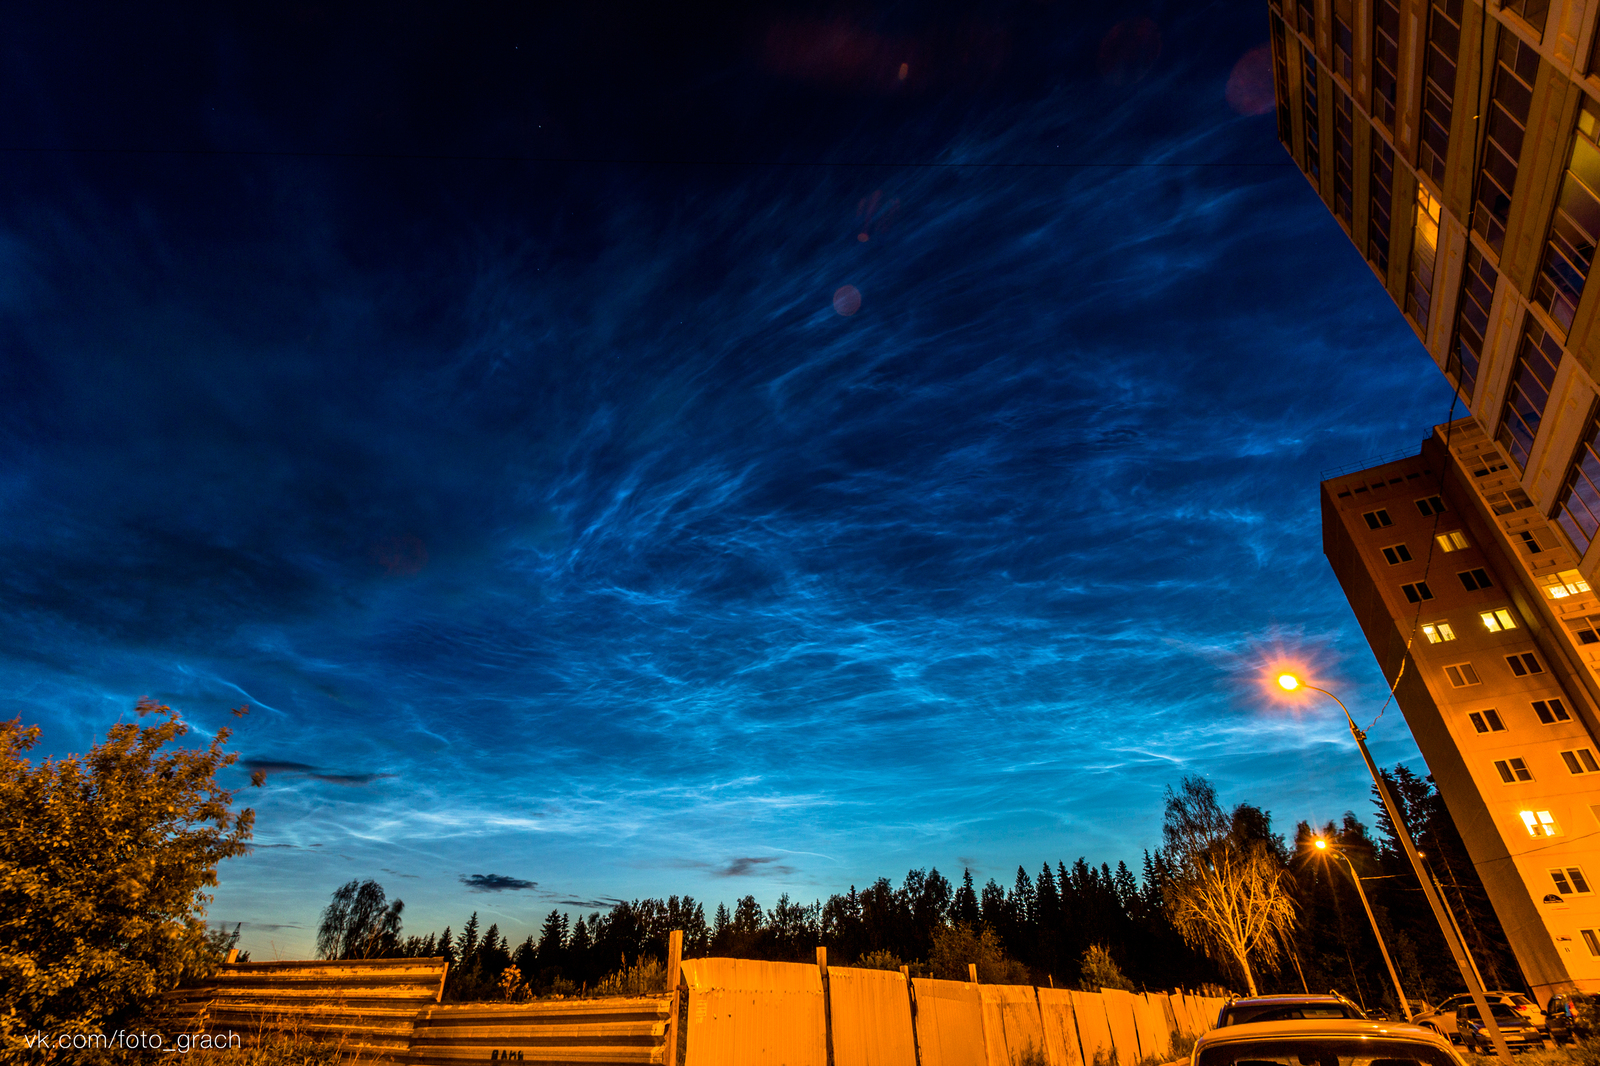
[(360, 923), (104, 859), (1228, 892)]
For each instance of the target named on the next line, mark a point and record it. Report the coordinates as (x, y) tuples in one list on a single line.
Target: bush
[(880, 960), (645, 975), (957, 945), (1099, 970), (103, 862)]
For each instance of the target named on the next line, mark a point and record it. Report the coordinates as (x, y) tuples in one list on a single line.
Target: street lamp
[(1458, 947), (1322, 846)]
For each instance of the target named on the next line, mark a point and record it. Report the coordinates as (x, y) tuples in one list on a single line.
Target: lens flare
[(1289, 682)]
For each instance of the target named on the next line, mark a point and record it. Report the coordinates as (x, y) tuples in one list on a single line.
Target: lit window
[(1378, 519), (1486, 721), (1461, 675), (1452, 542), (1438, 632), (1513, 770), (1529, 542), (1524, 664), (1551, 711), (1497, 620), (1431, 506), (1567, 583), (1475, 579), (1591, 937), (1540, 824), (1397, 554), (1581, 761), (1417, 592)]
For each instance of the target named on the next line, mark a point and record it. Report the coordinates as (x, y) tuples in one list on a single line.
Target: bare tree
[(1227, 895), (359, 923)]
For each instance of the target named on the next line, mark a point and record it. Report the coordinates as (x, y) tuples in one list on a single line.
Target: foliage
[(104, 859), (880, 960), (359, 923), (1228, 892), (512, 987), (957, 945), (644, 976), (1100, 970)]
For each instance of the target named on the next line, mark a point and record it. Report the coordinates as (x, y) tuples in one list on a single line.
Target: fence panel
[(1012, 1031), (755, 1013), (870, 1012), (1124, 1028), (366, 1007), (949, 1020), (1182, 1020), (1094, 1028), (1060, 1027), (1155, 1037), (599, 1031)]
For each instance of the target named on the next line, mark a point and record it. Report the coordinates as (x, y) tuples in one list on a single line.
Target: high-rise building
[(1458, 144)]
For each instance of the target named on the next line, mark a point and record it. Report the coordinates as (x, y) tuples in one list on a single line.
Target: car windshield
[(1325, 1051), (1502, 1013), (1520, 1000)]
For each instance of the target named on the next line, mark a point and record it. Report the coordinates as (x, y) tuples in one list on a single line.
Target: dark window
[(1578, 503), (1533, 12), (1431, 505), (1385, 62), (1439, 85), (1575, 226), (1377, 519), (1486, 721), (1504, 503), (1581, 761), (1424, 249), (1475, 579), (1344, 154), (1516, 67), (1472, 321), (1312, 163), (1538, 355), (1524, 664), (1513, 770), (1306, 15), (1397, 554), (1551, 711), (1343, 39), (1417, 592), (1529, 542), (1381, 188), (1280, 75), (1461, 675)]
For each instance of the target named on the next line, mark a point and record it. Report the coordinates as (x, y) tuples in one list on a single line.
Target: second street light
[(1458, 947), (1322, 846)]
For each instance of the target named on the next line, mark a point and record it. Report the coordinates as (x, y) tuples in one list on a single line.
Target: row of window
[(1463, 675), (1453, 541), (1428, 506), (1577, 761), (1471, 580), (1549, 712)]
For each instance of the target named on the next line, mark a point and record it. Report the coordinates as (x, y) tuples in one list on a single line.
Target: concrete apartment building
[(1458, 145)]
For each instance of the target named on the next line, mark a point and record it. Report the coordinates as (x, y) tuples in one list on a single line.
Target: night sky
[(617, 451)]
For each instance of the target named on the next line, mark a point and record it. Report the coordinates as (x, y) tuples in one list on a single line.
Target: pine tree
[(966, 904), (468, 943)]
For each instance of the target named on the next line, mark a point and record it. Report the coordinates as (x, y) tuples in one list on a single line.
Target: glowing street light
[(1447, 926), (1322, 845)]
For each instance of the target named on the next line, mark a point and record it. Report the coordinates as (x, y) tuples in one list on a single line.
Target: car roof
[(1315, 1027), (1283, 998)]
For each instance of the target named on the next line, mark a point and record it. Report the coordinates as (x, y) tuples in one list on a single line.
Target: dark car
[(1520, 1033), (1285, 1008), (1570, 1016)]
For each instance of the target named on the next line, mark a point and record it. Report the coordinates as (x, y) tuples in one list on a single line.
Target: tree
[(104, 859), (359, 923), (1099, 970), (1228, 893)]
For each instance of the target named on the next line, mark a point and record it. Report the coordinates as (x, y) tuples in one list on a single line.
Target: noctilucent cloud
[(625, 452)]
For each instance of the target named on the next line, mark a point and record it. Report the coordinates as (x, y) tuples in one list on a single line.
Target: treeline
[(1080, 925)]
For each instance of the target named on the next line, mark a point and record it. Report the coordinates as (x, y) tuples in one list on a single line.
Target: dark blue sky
[(469, 394)]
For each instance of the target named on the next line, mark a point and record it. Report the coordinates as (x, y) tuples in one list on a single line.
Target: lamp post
[(1405, 1005), (1458, 947)]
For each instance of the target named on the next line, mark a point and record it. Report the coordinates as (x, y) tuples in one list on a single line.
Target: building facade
[(1468, 595), (1458, 145)]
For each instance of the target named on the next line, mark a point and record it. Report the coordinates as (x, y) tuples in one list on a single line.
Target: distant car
[(1285, 1008), (1566, 1018), (1520, 1033), (1323, 1042), (1442, 1019)]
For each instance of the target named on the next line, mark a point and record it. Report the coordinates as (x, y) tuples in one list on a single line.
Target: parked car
[(1520, 1033), (1285, 1007), (1442, 1019), (1323, 1042), (1570, 1016)]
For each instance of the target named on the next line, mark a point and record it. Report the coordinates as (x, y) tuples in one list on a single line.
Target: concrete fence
[(722, 1012)]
